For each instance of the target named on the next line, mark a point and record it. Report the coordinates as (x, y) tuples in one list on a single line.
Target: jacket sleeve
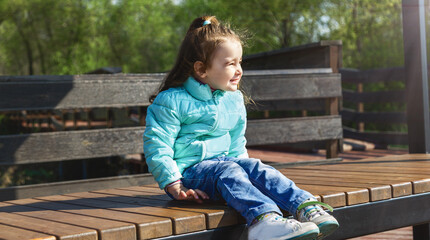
[(238, 140), (162, 128)]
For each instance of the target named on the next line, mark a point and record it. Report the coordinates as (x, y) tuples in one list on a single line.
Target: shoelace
[(314, 211), (293, 222)]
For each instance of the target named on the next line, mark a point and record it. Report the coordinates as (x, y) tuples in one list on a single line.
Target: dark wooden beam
[(414, 38)]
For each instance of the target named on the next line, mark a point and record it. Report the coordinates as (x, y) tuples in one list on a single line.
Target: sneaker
[(310, 211), (276, 228)]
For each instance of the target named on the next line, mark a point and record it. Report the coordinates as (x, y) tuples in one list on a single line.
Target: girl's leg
[(226, 179), (274, 184)]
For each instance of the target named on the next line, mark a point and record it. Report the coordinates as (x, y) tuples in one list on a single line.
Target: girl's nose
[(239, 70)]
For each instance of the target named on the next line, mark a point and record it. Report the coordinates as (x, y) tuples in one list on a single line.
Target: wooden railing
[(359, 100)]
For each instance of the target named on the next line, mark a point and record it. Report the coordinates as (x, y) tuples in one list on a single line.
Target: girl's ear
[(200, 69)]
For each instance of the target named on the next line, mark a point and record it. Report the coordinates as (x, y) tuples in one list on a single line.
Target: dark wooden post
[(416, 75), (414, 39)]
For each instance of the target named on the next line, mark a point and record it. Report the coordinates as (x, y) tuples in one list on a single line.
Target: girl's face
[(225, 71)]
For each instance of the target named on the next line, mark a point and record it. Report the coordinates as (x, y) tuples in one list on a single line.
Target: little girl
[(195, 146)]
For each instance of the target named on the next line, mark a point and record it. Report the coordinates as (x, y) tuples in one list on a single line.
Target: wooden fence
[(362, 99)]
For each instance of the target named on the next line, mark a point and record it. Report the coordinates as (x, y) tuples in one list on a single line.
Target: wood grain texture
[(183, 221), (122, 90), (68, 145), (216, 216), (106, 229), (13, 233), (147, 226), (273, 131), (58, 146), (59, 230)]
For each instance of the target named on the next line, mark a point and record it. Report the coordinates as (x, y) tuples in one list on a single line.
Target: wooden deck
[(146, 212), (279, 156)]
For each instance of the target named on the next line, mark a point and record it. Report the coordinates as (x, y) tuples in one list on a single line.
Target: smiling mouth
[(235, 80)]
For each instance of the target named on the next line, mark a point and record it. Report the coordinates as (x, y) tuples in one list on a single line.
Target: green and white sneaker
[(310, 211), (276, 227)]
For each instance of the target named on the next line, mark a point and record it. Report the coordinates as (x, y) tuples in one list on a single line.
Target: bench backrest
[(122, 90), (316, 87)]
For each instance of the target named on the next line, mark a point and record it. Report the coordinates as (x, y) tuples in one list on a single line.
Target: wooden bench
[(270, 89), (369, 195)]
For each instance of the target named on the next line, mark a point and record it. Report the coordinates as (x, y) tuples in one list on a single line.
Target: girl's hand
[(179, 192)]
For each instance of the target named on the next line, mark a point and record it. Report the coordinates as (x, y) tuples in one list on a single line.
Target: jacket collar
[(200, 90)]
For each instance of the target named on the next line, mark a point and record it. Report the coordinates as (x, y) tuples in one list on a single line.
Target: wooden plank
[(401, 185), (147, 226), (373, 117), (377, 191), (396, 74), (183, 222), (31, 148), (287, 71), (377, 137), (216, 216), (106, 229), (87, 91), (353, 195), (274, 131), (283, 87), (59, 230), (289, 105), (13, 233), (414, 176), (397, 158), (94, 91), (392, 96), (371, 168), (304, 56), (46, 189)]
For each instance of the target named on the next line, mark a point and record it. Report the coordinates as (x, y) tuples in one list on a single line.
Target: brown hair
[(199, 44)]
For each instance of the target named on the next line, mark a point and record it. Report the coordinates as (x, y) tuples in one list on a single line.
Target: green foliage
[(77, 36), (371, 32)]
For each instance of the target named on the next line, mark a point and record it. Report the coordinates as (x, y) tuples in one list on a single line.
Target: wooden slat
[(373, 75), (59, 230), (13, 233), (311, 55), (216, 216), (376, 191), (289, 105), (283, 87), (147, 226), (393, 96), (274, 131), (106, 229), (183, 221), (122, 90), (59, 146), (400, 184), (32, 148), (373, 117), (377, 137), (46, 189)]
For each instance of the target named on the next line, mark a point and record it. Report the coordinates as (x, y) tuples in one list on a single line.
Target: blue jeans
[(246, 184)]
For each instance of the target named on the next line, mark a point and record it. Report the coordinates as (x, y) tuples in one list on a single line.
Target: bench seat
[(398, 187)]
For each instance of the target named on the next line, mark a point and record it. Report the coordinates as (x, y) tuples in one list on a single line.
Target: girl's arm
[(162, 128)]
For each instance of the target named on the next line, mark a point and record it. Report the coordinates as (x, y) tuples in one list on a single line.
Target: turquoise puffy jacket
[(188, 124)]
